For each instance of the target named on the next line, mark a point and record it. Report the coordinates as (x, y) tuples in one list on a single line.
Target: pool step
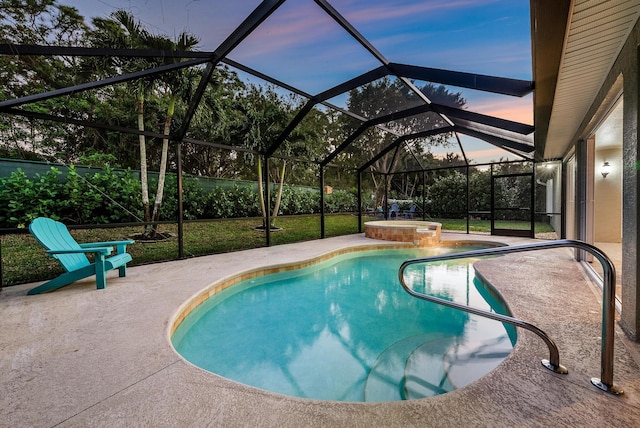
[(459, 365), (427, 365), (386, 379)]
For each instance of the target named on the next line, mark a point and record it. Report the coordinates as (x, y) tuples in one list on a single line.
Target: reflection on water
[(317, 332)]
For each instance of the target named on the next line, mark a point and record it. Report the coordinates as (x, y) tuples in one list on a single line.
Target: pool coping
[(85, 357)]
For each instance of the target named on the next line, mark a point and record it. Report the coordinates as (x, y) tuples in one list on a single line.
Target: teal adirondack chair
[(55, 237)]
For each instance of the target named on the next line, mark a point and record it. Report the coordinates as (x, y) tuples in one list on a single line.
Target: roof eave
[(549, 21)]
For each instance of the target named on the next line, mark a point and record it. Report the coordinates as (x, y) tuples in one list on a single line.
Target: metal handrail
[(605, 382)]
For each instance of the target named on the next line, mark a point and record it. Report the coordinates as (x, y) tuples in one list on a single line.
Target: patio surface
[(80, 357)]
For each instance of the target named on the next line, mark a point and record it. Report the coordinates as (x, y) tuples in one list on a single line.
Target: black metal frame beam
[(80, 122), (415, 157), (195, 101), (99, 83), (393, 159), (402, 114), (464, 155), (356, 82), (498, 85), (521, 149), (493, 130), (495, 122), (321, 98), (346, 25), (219, 146), (11, 49), (265, 77), (291, 126), (250, 23), (402, 139), (257, 17), (373, 122), (350, 139)]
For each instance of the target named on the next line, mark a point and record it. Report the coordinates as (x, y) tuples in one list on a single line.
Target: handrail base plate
[(556, 368), (611, 389)]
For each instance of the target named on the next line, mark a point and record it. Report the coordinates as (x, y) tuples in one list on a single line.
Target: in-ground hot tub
[(420, 233)]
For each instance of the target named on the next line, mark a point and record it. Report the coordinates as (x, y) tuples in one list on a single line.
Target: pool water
[(345, 330)]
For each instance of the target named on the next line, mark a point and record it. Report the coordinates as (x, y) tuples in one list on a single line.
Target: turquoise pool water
[(345, 330)]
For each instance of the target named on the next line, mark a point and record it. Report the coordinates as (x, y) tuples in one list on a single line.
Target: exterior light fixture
[(605, 169)]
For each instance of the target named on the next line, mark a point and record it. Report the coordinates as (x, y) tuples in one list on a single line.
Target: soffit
[(597, 31)]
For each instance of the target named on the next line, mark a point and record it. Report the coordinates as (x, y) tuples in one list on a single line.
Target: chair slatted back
[(54, 235)]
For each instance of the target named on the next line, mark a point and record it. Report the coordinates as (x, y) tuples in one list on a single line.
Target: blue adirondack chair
[(410, 212), (394, 211), (56, 239)]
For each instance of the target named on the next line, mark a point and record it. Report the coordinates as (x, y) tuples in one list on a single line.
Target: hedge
[(113, 196)]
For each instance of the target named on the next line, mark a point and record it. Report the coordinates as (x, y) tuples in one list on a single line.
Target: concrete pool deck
[(85, 357)]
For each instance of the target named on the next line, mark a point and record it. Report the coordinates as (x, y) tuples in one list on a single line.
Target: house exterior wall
[(624, 77)]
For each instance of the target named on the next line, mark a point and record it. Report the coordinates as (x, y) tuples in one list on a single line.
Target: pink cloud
[(510, 108), (391, 11), (488, 155), (476, 156), (298, 23), (293, 25)]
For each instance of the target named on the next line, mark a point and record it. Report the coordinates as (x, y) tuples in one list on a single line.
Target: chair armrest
[(99, 250), (105, 244), (121, 246)]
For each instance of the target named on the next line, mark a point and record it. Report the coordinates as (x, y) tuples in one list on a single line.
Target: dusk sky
[(300, 45)]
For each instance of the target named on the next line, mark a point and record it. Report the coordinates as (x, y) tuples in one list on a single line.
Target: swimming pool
[(344, 330)]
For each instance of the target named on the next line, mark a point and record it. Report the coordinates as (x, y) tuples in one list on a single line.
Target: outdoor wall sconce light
[(605, 169)]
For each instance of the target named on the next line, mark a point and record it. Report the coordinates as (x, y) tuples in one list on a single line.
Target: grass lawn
[(24, 260)]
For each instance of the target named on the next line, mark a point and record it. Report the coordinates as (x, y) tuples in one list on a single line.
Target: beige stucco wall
[(608, 196)]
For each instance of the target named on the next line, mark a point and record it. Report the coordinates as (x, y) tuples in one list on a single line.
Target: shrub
[(22, 199), (245, 202), (340, 201), (193, 198), (113, 196), (297, 200), (103, 197)]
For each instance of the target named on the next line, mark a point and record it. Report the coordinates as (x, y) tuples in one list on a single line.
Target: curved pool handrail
[(553, 363), (605, 382)]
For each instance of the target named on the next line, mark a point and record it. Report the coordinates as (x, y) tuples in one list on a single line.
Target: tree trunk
[(276, 208), (376, 191), (144, 184), (261, 193), (163, 166)]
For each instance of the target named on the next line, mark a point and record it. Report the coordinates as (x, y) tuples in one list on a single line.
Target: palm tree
[(264, 115), (176, 85), (122, 30)]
